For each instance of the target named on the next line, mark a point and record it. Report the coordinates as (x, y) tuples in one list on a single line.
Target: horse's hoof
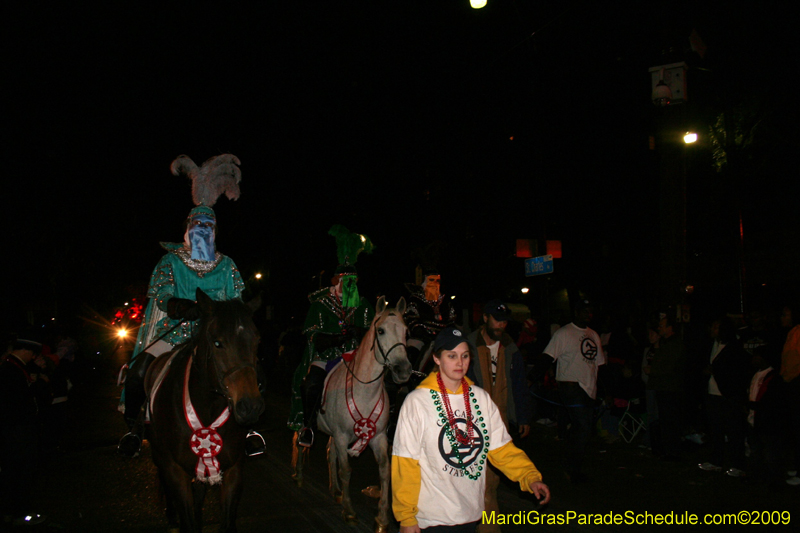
[(298, 480), (381, 528), (349, 518)]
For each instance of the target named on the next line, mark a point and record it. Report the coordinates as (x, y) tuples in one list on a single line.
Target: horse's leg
[(333, 471), (198, 496), (299, 454), (173, 523), (348, 513), (230, 494), (380, 446), (178, 486)]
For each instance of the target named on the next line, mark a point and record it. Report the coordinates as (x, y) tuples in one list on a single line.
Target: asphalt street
[(88, 488)]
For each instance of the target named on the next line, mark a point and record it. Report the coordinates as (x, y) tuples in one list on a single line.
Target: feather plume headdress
[(218, 175), (348, 246)]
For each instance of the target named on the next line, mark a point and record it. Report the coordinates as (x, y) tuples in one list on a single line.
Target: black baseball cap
[(498, 310), (448, 339)]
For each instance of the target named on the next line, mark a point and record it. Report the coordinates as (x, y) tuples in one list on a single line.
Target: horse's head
[(390, 339), (230, 340)]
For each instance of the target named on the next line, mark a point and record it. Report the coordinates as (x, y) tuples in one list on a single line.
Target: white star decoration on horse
[(206, 442), (364, 428)]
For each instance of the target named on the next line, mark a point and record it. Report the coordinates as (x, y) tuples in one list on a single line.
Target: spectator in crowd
[(499, 369), (767, 422), (790, 373), (666, 377), (578, 352), (729, 374), (19, 433), (650, 437)]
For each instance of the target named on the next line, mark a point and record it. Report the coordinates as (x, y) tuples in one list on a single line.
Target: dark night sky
[(393, 118)]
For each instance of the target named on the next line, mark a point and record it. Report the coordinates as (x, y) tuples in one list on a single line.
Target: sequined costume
[(177, 275), (426, 318), (326, 318)]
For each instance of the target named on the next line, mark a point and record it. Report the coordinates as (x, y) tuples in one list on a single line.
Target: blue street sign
[(536, 266)]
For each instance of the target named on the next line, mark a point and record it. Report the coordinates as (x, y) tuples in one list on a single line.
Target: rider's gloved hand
[(182, 308)]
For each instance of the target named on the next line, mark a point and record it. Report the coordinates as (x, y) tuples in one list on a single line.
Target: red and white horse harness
[(363, 427), (206, 442)]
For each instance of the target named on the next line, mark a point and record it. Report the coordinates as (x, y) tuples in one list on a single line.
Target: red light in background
[(526, 248), (554, 249)]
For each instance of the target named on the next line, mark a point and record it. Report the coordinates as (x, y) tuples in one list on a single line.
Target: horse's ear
[(381, 307), (204, 301), (401, 306), (254, 303)]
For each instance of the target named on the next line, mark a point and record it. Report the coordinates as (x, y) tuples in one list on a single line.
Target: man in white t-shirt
[(578, 351)]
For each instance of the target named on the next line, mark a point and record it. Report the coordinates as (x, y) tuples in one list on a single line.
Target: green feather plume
[(349, 244)]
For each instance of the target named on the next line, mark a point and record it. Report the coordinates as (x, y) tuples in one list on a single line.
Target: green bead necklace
[(439, 399)]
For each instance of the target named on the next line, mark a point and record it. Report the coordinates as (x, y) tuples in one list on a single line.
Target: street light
[(477, 4), (690, 137), (524, 290)]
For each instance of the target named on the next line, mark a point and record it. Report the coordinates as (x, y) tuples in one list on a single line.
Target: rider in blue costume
[(336, 322), (171, 315)]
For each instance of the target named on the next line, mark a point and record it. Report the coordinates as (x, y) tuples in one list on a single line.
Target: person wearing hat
[(579, 352), (335, 323), (448, 433), (19, 432), (171, 314), (500, 370)]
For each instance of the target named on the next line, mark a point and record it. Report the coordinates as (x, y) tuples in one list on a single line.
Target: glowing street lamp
[(524, 290), (477, 4), (258, 276), (690, 137)]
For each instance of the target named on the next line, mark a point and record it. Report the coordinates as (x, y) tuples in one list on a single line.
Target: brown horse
[(202, 396)]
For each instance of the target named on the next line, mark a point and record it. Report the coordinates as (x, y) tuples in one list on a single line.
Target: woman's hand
[(540, 490), (410, 529)]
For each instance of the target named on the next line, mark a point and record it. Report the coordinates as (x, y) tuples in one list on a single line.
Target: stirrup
[(128, 447), (303, 437), (253, 448)]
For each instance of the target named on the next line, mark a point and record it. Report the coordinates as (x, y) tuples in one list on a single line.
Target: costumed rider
[(337, 320), (171, 314), (427, 314)]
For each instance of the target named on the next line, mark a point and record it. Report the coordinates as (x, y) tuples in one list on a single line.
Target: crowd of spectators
[(35, 381), (729, 383)]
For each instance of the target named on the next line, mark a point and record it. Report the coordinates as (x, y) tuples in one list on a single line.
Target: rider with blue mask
[(171, 314)]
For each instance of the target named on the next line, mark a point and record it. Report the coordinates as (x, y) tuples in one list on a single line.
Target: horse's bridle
[(225, 375), (385, 355)]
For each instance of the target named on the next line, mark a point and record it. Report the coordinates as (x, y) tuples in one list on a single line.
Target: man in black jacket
[(18, 432), (726, 403)]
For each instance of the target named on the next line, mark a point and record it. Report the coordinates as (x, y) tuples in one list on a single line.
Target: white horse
[(355, 408)]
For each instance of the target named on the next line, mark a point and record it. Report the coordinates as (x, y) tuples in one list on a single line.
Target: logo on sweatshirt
[(469, 453)]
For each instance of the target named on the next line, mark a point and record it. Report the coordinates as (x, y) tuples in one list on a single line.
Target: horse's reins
[(385, 355)]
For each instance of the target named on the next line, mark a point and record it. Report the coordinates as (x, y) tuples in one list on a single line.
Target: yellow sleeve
[(514, 463), (405, 489)]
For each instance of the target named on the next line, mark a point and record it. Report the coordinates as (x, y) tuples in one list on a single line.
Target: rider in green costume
[(171, 314), (336, 322)]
